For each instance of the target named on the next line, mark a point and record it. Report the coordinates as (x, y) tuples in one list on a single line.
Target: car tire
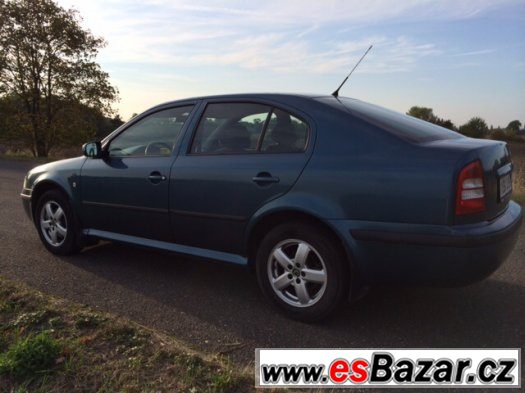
[(57, 224), (303, 270)]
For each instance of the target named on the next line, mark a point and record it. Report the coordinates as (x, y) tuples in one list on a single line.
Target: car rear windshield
[(403, 126)]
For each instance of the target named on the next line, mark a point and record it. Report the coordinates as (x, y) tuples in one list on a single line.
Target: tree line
[(476, 127)]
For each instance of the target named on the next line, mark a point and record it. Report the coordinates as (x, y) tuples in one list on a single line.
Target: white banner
[(388, 368)]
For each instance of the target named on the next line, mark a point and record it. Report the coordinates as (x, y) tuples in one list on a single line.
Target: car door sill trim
[(178, 248)]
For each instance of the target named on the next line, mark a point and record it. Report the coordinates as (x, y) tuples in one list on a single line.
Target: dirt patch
[(52, 345)]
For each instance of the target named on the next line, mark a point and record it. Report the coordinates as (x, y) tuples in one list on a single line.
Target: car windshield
[(404, 126)]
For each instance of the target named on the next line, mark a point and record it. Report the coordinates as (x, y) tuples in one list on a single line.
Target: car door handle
[(265, 177), (156, 177)]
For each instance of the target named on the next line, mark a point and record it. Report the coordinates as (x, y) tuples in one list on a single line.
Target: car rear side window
[(285, 134), (230, 128), (154, 135), (241, 128)]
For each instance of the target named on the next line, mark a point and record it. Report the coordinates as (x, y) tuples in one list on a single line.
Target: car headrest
[(284, 134), (235, 136)]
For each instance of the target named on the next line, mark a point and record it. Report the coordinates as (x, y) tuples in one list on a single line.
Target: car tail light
[(470, 193)]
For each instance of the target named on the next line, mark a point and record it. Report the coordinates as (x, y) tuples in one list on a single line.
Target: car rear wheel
[(302, 269), (56, 224)]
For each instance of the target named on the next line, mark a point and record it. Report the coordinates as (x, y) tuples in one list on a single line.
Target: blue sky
[(463, 58)]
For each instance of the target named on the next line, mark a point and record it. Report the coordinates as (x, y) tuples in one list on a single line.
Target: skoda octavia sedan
[(322, 195)]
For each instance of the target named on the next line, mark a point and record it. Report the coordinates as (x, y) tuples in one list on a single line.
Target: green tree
[(475, 128), (422, 113), (514, 126), (47, 64), (427, 114), (446, 124)]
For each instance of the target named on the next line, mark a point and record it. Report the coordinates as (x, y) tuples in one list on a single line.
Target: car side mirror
[(93, 149)]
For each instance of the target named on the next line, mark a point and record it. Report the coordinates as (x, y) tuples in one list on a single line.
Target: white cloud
[(277, 12), (161, 49), (274, 35), (275, 52), (474, 53)]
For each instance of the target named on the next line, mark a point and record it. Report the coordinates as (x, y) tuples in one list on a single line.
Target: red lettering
[(359, 371), (339, 370)]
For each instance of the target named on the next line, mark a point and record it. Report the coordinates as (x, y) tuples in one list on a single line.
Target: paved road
[(212, 305)]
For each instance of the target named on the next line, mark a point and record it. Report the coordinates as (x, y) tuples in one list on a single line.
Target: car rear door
[(231, 166)]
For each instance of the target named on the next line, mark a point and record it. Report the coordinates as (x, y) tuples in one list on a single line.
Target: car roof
[(254, 95), (281, 97)]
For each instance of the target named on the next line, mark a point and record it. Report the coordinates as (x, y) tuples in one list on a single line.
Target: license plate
[(505, 186)]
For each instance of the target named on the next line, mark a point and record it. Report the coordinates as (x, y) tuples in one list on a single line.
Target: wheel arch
[(42, 187), (258, 228)]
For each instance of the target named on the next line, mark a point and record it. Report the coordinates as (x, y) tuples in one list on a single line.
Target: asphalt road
[(217, 307)]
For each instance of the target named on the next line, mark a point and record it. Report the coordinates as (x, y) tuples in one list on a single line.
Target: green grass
[(518, 176), (520, 198), (52, 345), (26, 157), (59, 153), (87, 320), (31, 356)]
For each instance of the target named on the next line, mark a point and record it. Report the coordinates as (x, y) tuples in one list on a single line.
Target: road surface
[(218, 308)]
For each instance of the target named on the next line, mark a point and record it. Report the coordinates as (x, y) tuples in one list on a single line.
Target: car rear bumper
[(432, 255)]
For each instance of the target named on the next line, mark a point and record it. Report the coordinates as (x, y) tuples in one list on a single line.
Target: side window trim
[(189, 148), (272, 107), (263, 132)]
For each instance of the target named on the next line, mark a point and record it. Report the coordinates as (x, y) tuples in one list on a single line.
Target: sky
[(463, 58)]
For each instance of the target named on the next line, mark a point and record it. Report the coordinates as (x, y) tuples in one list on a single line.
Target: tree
[(427, 114), (422, 113), (446, 124), (475, 128), (514, 126), (47, 63)]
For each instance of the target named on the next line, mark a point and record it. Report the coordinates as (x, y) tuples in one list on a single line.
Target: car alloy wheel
[(53, 223), (297, 273)]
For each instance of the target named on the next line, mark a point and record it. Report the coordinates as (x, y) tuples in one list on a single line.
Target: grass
[(26, 155), (31, 356), (52, 345), (518, 181)]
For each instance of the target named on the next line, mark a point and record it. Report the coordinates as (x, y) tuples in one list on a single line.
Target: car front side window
[(154, 135)]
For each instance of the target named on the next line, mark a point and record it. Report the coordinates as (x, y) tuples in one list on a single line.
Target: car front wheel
[(56, 224), (302, 269)]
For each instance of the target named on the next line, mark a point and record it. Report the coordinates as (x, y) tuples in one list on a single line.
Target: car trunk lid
[(495, 160)]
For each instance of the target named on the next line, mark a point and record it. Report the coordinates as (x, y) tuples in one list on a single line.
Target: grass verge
[(53, 345), (518, 177)]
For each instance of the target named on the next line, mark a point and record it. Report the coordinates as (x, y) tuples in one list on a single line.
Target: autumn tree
[(48, 72)]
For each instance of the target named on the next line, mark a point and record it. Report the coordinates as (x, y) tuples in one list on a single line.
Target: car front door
[(241, 156), (128, 191)]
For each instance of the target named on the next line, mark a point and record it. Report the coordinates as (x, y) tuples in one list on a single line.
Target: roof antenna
[(336, 93)]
